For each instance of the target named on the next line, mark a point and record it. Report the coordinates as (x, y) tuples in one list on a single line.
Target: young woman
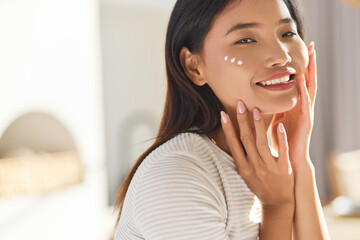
[(236, 70)]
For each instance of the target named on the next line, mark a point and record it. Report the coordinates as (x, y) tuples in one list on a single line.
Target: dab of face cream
[(239, 62)]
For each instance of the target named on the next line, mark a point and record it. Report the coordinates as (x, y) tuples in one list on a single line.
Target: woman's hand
[(270, 179), (298, 122)]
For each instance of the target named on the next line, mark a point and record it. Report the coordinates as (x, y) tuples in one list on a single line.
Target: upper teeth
[(276, 81)]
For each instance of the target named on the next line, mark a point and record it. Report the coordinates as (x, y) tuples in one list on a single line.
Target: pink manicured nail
[(257, 115), (304, 80), (312, 48), (224, 117), (281, 127), (241, 107)]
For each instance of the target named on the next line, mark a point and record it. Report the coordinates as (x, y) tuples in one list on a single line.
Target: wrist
[(306, 166), (288, 206), (304, 174), (303, 165), (277, 222), (279, 212)]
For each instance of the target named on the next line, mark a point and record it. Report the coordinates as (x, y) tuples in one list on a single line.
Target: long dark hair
[(188, 105)]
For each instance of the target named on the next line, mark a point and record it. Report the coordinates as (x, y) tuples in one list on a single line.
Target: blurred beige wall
[(335, 28), (133, 43)]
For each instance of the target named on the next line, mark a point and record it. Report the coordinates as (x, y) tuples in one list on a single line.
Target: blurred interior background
[(82, 89)]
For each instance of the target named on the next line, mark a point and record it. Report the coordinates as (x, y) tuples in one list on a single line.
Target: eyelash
[(239, 42)]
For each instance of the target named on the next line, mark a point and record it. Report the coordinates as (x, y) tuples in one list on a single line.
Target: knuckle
[(228, 129), (245, 138), (242, 118), (261, 173), (306, 102), (262, 144), (246, 173)]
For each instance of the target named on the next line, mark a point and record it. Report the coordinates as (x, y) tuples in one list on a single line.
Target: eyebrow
[(252, 25)]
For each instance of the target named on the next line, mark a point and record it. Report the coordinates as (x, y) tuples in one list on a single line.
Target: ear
[(191, 65)]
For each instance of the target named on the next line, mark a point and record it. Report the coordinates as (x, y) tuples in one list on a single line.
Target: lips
[(289, 71), (292, 77)]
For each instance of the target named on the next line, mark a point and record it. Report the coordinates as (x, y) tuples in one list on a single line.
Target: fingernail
[(241, 107), (301, 79), (312, 46), (281, 127), (304, 79), (257, 115), (224, 117)]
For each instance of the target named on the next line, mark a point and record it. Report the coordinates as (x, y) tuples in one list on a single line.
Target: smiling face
[(262, 35)]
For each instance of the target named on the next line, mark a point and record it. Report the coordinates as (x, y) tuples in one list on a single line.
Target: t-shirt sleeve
[(177, 199)]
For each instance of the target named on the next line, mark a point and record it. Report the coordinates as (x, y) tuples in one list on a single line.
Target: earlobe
[(190, 64)]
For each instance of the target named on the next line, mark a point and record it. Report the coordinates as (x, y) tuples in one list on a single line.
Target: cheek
[(301, 56), (233, 60), (224, 66), (226, 74)]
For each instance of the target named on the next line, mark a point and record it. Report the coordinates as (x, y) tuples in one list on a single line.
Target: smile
[(280, 84), (277, 81)]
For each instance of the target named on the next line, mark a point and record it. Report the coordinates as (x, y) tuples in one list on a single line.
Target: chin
[(280, 108)]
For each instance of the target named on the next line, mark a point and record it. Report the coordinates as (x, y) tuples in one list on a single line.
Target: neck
[(219, 135)]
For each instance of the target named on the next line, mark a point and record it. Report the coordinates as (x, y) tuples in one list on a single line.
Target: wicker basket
[(39, 174)]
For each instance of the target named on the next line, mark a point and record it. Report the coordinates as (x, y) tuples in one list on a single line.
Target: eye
[(245, 41), (289, 34)]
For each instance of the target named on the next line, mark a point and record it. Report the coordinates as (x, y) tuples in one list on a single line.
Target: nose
[(278, 55)]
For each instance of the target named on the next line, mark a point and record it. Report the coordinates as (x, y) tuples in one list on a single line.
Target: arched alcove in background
[(37, 131), (37, 155)]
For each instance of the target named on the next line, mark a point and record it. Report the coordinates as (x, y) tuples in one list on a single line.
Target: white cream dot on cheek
[(233, 60)]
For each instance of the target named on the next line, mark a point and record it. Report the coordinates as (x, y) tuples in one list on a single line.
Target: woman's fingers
[(234, 145), (246, 134), (283, 145), (261, 138), (310, 51), (310, 47), (305, 97), (312, 79), (265, 177)]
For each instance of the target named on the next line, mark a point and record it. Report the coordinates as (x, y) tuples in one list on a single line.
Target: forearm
[(309, 220), (277, 223)]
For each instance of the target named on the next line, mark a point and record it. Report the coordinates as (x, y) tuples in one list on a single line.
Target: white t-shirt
[(189, 188)]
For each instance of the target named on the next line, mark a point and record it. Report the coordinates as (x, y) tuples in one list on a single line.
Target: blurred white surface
[(77, 212), (50, 63)]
